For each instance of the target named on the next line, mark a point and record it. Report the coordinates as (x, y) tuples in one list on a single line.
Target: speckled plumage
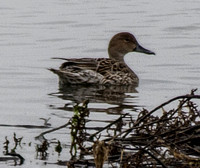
[(105, 71)]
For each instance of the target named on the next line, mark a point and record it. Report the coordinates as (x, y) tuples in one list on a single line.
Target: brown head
[(123, 43)]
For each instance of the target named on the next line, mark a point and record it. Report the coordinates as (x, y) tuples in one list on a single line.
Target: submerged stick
[(52, 130)]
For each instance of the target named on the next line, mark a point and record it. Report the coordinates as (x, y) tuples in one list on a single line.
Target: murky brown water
[(32, 32)]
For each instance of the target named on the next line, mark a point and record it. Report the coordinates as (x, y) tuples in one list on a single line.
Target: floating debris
[(58, 148)]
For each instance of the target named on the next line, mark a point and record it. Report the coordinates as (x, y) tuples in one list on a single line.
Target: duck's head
[(123, 43)]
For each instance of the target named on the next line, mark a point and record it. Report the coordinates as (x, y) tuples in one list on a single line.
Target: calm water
[(34, 31)]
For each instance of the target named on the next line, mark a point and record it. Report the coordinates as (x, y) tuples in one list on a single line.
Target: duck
[(103, 71)]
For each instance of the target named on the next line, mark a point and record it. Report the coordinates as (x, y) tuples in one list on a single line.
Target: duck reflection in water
[(122, 97)]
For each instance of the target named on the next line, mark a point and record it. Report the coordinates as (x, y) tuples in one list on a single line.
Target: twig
[(154, 157), (109, 125)]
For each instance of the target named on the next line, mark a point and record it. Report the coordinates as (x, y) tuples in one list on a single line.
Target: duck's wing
[(99, 65), (82, 63), (79, 71), (93, 70)]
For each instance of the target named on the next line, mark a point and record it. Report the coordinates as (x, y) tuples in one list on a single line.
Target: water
[(32, 32)]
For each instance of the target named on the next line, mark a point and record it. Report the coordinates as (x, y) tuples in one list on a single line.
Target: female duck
[(105, 71)]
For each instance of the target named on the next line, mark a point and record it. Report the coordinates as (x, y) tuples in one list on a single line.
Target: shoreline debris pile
[(171, 139)]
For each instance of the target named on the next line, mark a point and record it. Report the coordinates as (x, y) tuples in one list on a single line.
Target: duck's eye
[(127, 40)]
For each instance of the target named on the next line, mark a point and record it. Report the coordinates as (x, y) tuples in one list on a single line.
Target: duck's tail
[(55, 71), (63, 76)]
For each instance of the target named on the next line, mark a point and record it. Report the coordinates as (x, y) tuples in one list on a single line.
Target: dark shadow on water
[(120, 96)]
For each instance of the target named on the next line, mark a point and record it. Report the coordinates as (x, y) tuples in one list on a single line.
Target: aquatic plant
[(77, 123)]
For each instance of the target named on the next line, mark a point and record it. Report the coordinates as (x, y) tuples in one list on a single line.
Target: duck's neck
[(116, 56)]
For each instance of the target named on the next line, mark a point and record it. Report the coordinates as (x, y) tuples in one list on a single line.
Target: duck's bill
[(140, 49)]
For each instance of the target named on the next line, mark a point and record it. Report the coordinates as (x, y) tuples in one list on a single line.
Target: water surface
[(32, 32)]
